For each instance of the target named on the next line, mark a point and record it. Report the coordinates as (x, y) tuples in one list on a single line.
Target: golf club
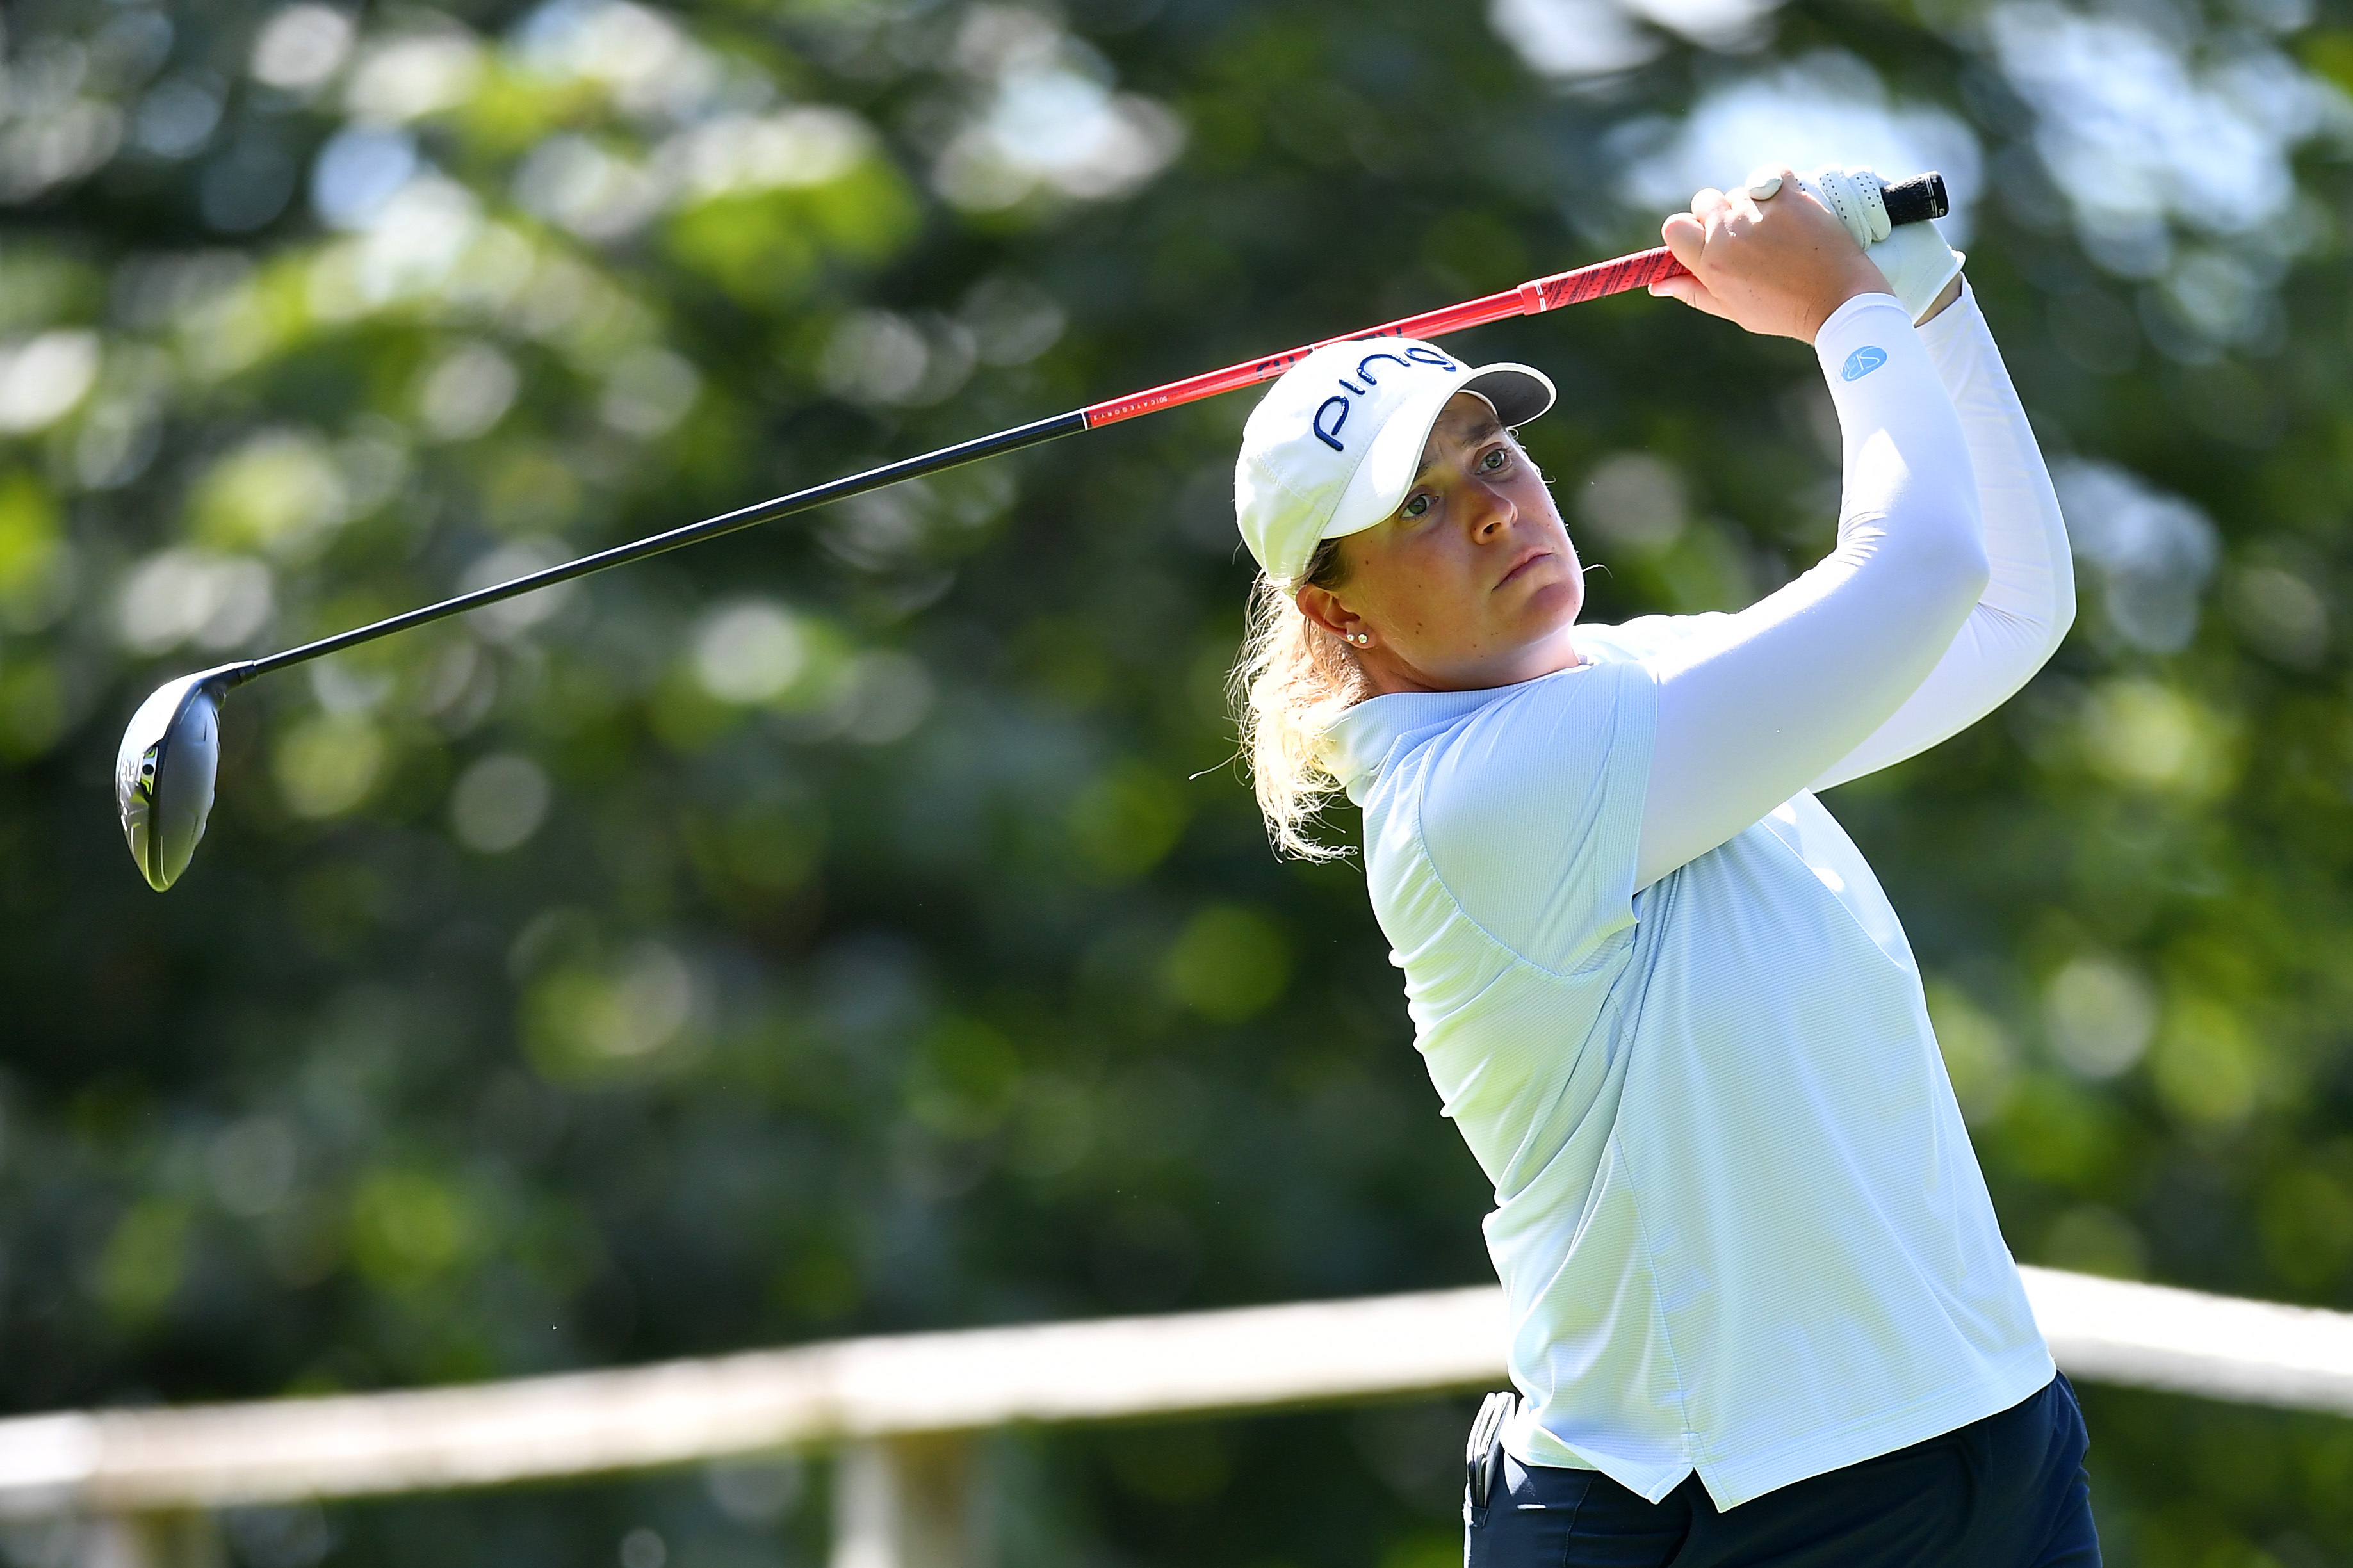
[(163, 774)]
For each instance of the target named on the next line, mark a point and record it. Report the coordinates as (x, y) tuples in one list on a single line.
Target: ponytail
[(1291, 683)]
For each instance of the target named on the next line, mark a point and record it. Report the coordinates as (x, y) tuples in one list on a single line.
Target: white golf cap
[(1334, 445)]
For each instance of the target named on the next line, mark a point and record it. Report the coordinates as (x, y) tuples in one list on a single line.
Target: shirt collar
[(1363, 738)]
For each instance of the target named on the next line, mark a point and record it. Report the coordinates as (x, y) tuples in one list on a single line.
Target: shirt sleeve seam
[(1421, 847), (1625, 915)]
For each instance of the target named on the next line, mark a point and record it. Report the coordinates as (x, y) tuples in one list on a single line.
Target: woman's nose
[(1492, 512)]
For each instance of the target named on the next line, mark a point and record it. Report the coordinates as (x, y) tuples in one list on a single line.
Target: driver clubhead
[(163, 774)]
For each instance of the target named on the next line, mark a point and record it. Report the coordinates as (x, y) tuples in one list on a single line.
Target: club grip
[(1916, 200)]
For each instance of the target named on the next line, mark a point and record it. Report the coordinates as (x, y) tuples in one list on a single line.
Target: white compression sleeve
[(2026, 609), (1751, 711)]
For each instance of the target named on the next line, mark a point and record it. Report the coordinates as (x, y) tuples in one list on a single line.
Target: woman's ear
[(1323, 606)]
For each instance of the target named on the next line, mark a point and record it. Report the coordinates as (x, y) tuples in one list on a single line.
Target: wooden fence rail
[(865, 1395)]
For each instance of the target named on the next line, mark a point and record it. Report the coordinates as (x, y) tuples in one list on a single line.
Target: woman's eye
[(1417, 507), (1495, 460)]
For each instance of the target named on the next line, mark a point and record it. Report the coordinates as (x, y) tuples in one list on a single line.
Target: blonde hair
[(1290, 684)]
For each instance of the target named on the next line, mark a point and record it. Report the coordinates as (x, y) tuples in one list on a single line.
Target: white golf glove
[(1915, 259)]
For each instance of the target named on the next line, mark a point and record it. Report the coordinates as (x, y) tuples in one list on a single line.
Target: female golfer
[(1760, 1308)]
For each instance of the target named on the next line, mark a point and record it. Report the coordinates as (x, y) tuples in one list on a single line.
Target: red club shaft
[(1916, 200), (1627, 272), (1538, 294)]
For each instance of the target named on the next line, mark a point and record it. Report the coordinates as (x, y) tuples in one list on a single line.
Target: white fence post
[(909, 1503), (181, 1538)]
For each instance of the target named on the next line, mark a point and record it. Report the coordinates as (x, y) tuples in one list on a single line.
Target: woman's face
[(1472, 582)]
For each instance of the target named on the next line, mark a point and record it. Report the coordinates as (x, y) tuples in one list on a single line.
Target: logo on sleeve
[(1862, 362)]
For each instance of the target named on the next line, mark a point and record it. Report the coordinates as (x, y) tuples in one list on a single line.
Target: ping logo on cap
[(1862, 362), (1332, 446), (1332, 415)]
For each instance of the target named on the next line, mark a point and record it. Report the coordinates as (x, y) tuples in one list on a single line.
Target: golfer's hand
[(1777, 267)]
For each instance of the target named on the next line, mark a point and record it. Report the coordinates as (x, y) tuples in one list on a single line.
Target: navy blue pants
[(2007, 1492)]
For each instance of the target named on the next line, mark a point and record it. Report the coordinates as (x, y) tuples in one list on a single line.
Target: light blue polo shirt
[(1738, 1218)]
